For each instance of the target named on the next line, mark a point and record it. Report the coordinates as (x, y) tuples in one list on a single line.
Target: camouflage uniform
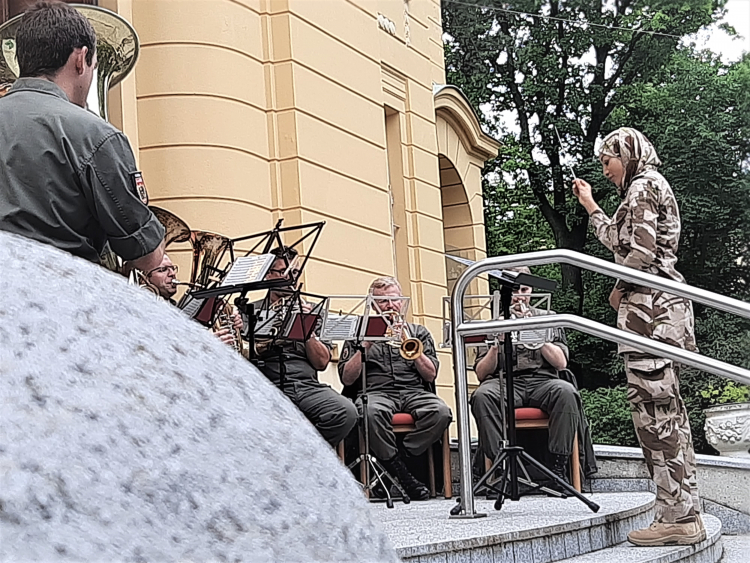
[(644, 234)]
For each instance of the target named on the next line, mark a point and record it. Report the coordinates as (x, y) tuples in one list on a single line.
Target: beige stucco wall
[(246, 111)]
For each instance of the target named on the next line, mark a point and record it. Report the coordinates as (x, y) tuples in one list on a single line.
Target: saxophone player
[(293, 367), (163, 279)]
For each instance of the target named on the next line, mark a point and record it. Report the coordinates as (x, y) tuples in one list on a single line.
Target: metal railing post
[(459, 330)]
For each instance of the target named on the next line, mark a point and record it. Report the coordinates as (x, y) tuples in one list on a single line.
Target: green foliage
[(608, 413), (729, 393), (528, 73)]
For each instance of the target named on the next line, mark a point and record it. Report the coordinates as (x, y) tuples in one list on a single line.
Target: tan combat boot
[(664, 533)]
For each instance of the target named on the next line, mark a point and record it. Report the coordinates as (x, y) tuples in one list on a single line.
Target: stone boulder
[(130, 433)]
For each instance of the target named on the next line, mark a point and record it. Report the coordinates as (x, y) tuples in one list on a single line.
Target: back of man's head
[(49, 32), (284, 252)]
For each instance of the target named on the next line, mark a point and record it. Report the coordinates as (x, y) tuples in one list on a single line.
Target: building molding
[(452, 106)]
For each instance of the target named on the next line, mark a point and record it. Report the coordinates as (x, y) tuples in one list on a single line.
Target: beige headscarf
[(634, 150)]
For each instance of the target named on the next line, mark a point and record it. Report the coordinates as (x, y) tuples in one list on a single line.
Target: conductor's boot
[(663, 533), (415, 489)]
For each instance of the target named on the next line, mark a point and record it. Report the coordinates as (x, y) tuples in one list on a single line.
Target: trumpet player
[(537, 384), (332, 415), (395, 385)]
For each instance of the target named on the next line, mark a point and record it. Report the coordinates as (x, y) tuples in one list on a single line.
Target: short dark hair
[(49, 32), (284, 252)]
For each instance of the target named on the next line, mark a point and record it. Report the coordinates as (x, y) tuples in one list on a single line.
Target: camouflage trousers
[(663, 430)]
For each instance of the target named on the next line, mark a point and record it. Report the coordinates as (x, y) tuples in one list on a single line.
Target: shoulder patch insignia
[(345, 353), (139, 185)]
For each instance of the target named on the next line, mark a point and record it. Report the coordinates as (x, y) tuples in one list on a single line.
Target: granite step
[(708, 551), (736, 549), (535, 529)]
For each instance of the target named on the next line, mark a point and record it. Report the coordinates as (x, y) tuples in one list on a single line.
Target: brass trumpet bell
[(117, 51), (411, 348)]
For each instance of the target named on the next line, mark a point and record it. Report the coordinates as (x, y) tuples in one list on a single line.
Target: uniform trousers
[(333, 415), (431, 417), (663, 430), (556, 397)]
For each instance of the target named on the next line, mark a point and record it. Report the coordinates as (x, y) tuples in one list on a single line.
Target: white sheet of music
[(533, 336), (248, 269), (192, 307), (340, 327)]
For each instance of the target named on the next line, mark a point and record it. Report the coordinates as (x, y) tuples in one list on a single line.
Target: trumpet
[(409, 347)]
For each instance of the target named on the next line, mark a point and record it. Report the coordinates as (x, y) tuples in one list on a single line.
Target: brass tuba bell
[(117, 50)]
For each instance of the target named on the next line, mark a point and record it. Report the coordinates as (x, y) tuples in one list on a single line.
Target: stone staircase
[(540, 530)]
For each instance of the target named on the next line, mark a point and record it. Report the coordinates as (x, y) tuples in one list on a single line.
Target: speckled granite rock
[(127, 433)]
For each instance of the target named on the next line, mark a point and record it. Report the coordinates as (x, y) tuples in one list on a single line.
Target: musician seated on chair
[(396, 385), (332, 415), (164, 280), (536, 384)]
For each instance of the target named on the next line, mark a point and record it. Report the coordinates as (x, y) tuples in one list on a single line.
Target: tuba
[(117, 50)]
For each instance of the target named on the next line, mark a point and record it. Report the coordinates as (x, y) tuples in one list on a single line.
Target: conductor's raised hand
[(582, 190)]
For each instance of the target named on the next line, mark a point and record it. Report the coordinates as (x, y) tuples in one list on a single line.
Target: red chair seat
[(528, 413), (402, 419)]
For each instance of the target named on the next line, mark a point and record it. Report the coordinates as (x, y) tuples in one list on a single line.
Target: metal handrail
[(562, 256)]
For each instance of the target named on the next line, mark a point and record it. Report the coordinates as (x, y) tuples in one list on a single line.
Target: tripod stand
[(369, 464), (512, 457)]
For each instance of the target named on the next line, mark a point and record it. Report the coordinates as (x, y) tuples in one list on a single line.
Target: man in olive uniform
[(332, 415), (397, 385), (67, 177), (536, 384)]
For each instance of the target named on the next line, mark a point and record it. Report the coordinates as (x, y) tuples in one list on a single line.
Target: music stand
[(360, 329), (510, 455), (296, 325)]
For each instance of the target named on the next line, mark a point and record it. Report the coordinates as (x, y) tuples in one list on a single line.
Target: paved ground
[(736, 549), (421, 523)]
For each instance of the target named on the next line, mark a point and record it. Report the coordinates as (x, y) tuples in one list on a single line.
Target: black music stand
[(374, 328), (511, 456)]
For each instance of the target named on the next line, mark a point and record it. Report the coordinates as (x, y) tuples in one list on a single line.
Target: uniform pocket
[(650, 380)]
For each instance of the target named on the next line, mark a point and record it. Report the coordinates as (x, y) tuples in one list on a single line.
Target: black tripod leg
[(526, 480), (380, 471), (565, 486), (503, 485), (486, 477)]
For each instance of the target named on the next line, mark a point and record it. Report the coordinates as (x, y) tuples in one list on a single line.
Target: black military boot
[(560, 468), (415, 489)]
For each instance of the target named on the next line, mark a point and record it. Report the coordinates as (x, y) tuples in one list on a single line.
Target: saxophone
[(224, 321)]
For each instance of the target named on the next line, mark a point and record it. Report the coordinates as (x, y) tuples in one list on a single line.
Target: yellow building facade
[(242, 112)]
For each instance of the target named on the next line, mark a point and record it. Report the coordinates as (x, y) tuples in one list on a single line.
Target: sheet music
[(266, 321), (192, 306), (537, 336), (340, 327), (248, 269)]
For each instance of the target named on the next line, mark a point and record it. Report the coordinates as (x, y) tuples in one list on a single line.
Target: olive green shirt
[(68, 178), (529, 362), (386, 369)]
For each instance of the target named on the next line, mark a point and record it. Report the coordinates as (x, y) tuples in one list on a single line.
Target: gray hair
[(384, 282)]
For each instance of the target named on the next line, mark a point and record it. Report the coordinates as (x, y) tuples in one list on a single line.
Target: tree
[(544, 71)]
